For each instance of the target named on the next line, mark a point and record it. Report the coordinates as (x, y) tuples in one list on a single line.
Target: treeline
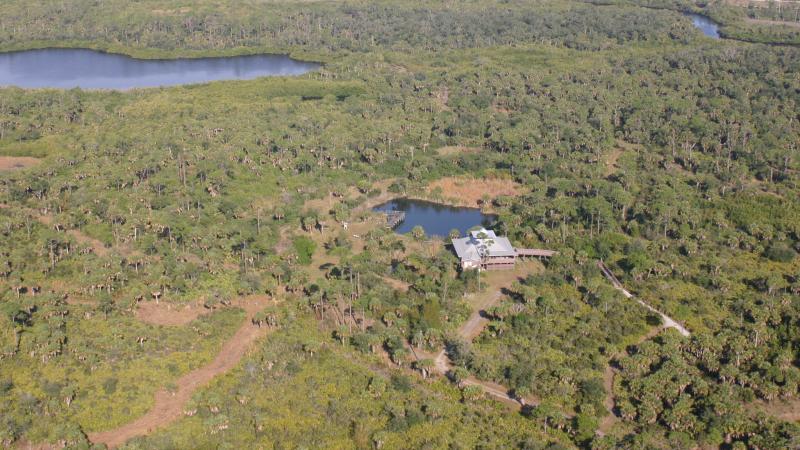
[(322, 28)]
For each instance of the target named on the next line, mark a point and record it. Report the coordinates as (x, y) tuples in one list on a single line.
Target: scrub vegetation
[(628, 138)]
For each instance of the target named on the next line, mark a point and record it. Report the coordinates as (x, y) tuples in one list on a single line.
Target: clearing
[(96, 245), (788, 410), (169, 406)]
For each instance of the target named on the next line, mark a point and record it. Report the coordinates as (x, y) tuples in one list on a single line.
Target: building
[(484, 250)]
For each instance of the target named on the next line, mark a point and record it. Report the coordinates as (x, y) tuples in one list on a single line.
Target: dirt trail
[(396, 284), (97, 246), (608, 384), (608, 376), (168, 406), (477, 322)]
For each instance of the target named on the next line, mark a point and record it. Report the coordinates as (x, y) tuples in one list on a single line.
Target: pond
[(435, 218), (90, 69), (704, 24)]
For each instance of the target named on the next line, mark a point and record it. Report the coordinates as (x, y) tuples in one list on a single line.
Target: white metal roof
[(470, 248)]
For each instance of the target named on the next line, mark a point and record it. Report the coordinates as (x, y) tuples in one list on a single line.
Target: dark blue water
[(89, 69), (436, 219), (704, 24)]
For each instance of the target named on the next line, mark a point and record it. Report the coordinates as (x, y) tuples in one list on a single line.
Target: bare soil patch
[(464, 191), (17, 162)]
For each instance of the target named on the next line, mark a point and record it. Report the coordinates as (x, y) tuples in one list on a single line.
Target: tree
[(305, 248), (471, 393), (455, 233), (418, 233), (425, 366)]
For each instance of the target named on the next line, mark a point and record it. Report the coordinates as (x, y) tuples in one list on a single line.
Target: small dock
[(394, 218)]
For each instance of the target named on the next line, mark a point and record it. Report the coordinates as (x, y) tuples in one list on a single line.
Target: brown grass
[(17, 162), (465, 191)]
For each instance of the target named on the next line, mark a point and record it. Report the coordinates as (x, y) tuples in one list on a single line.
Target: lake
[(704, 24), (90, 69), (436, 219)]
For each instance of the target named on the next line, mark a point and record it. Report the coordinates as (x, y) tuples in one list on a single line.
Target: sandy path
[(168, 406), (476, 322)]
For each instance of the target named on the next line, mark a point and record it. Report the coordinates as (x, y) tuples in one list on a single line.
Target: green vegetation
[(635, 140)]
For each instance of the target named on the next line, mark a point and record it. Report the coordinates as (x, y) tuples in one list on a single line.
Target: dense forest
[(156, 222)]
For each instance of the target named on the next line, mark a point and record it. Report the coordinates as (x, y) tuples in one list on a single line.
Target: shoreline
[(155, 54)]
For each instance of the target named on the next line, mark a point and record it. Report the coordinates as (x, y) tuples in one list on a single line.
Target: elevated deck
[(537, 252), (394, 218)]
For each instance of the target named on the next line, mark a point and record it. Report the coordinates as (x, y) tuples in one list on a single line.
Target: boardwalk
[(668, 321), (394, 218)]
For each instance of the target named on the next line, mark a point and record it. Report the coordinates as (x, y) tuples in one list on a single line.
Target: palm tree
[(484, 244), (425, 366)]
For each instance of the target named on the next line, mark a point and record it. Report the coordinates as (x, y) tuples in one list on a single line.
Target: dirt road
[(473, 327), (169, 406)]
